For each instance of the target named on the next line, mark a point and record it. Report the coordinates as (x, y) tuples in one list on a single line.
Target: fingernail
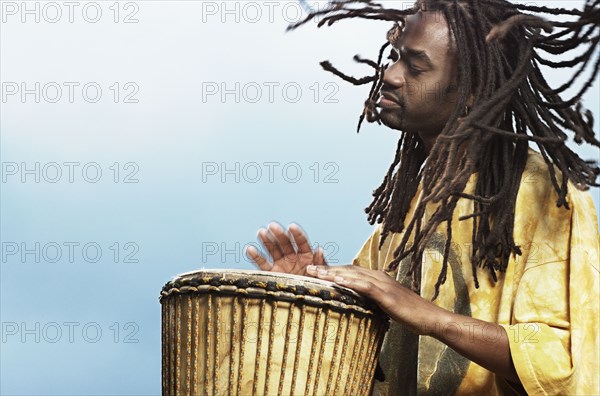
[(339, 279), (322, 272), (311, 268)]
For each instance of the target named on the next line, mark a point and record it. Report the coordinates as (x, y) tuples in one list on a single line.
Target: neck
[(428, 139)]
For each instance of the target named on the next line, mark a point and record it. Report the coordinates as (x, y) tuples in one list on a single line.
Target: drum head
[(277, 285)]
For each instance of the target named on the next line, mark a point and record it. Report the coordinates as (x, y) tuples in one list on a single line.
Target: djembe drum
[(233, 332)]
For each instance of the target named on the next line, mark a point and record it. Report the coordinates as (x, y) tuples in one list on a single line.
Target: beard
[(392, 118)]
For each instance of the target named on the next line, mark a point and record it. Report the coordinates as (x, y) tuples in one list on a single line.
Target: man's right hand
[(290, 250)]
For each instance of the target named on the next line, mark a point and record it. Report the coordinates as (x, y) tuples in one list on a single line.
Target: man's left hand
[(489, 348), (400, 303)]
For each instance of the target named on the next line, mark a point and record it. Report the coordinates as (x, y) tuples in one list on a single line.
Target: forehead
[(427, 31)]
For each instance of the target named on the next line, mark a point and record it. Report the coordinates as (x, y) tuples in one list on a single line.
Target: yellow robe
[(547, 300)]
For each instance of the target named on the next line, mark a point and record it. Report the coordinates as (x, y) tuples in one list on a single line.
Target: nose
[(394, 75)]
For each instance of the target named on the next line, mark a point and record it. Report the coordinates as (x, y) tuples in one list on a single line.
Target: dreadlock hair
[(500, 50)]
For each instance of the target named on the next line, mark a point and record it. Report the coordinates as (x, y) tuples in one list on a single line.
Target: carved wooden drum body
[(234, 332)]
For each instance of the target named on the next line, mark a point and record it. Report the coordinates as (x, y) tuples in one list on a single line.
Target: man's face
[(419, 91)]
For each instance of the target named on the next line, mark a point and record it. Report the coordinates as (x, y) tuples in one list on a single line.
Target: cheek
[(429, 104), (428, 94), (450, 94)]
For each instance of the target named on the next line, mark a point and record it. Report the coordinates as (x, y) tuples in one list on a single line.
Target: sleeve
[(553, 333), (368, 255)]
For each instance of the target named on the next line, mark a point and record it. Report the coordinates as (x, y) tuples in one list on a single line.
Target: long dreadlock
[(499, 51)]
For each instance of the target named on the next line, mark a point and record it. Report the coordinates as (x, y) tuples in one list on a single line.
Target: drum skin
[(234, 332)]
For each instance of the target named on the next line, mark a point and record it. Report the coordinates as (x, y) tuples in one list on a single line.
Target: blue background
[(181, 210)]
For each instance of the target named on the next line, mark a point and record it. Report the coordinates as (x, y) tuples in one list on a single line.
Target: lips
[(388, 100)]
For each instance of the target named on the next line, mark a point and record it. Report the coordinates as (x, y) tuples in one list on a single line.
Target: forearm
[(484, 343)]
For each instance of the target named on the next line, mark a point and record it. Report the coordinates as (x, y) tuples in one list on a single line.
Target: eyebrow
[(415, 54)]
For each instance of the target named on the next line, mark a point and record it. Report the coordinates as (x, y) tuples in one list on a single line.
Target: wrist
[(432, 321), (438, 321)]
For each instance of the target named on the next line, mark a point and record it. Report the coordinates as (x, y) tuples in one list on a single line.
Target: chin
[(391, 119)]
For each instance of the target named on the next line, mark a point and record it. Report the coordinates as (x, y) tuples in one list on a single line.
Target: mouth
[(388, 101)]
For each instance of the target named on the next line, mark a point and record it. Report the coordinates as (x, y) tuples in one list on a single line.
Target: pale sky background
[(105, 247)]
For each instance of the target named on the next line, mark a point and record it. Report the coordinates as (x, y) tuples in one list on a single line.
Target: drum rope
[(337, 299), (270, 345), (285, 352), (165, 345), (362, 381), (208, 343), (243, 345), (321, 351), (195, 345), (359, 336), (178, 349), (342, 372), (233, 334), (374, 359), (188, 362), (343, 355), (217, 349), (335, 354), (298, 348), (311, 361), (258, 348), (364, 345)]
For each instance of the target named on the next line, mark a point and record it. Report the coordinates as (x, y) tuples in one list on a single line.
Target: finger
[(300, 238), (282, 238), (260, 261), (344, 276), (356, 279), (270, 244), (378, 275), (320, 257), (362, 286), (327, 272)]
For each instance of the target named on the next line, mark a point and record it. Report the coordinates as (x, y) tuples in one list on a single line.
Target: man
[(486, 257)]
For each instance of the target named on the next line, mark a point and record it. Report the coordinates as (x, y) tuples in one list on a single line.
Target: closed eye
[(414, 70), (395, 56)]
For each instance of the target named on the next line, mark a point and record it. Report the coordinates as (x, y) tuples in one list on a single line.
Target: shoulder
[(539, 218), (537, 185), (536, 180), (368, 255)]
